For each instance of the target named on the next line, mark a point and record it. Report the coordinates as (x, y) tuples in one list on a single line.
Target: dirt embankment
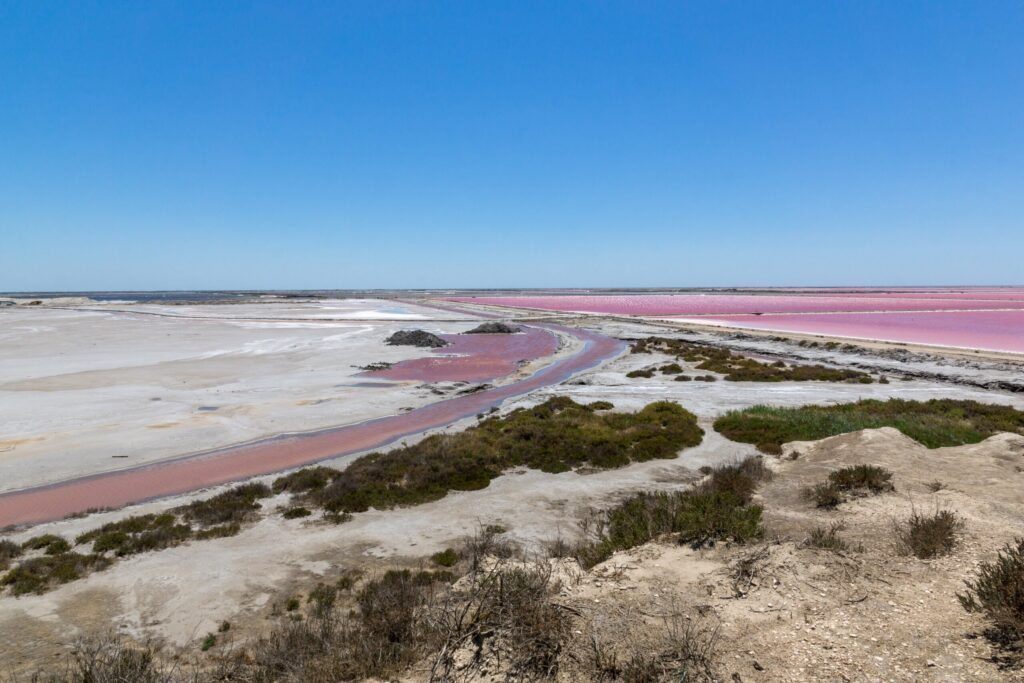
[(785, 611)]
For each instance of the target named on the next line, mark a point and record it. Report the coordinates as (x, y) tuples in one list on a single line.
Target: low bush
[(296, 513), (39, 574), (446, 558), (739, 368), (928, 536), (136, 534), (997, 593), (684, 378), (600, 405), (670, 369), (555, 436), (48, 543), (306, 479), (235, 505), (862, 477), (8, 551), (934, 423), (825, 496), (219, 531), (717, 509), (633, 374)]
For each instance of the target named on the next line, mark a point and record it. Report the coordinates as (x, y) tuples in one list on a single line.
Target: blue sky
[(162, 145)]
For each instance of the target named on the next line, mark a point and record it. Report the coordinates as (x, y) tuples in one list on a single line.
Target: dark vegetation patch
[(297, 512), (416, 338), (216, 517), (997, 593), (934, 423), (9, 550), (556, 436), (235, 505), (928, 536), (719, 508), (854, 480), (739, 368), (633, 374), (306, 479), (40, 574), (48, 543), (600, 405), (376, 366), (446, 558), (493, 328)]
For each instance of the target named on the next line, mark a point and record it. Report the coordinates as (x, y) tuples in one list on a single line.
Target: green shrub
[(307, 479), (39, 574), (997, 593), (50, 544), (209, 641), (445, 558), (296, 513), (633, 374), (928, 536), (555, 436), (670, 369), (600, 405), (934, 423), (719, 508), (234, 505), (8, 551), (824, 496), (874, 479), (739, 368), (684, 378), (219, 531)]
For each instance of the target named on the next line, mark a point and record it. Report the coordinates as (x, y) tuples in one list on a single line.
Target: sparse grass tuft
[(828, 538), (825, 496)]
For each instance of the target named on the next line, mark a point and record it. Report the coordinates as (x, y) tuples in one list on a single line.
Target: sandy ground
[(86, 391)]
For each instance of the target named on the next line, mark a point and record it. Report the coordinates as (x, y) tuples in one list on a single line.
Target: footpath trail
[(196, 471)]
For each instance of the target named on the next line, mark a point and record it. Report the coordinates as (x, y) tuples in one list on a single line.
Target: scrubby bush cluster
[(718, 508), (934, 423), (855, 480), (556, 436), (739, 368), (928, 535), (997, 593), (216, 517)]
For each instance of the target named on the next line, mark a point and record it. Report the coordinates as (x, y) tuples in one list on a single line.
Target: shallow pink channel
[(474, 357), (725, 304), (189, 473), (991, 330)]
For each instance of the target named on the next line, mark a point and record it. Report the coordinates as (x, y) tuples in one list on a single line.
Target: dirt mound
[(416, 338), (494, 328)]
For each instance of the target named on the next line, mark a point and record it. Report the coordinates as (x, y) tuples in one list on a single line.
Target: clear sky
[(189, 145)]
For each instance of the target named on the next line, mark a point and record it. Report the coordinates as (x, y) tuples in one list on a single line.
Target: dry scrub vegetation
[(737, 367), (555, 436), (934, 423)]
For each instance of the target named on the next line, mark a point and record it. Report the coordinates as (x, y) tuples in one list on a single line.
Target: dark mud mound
[(494, 328), (416, 338)]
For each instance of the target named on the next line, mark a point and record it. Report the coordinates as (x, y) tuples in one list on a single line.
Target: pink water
[(474, 357), (992, 330), (188, 473), (726, 304), (989, 318)]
